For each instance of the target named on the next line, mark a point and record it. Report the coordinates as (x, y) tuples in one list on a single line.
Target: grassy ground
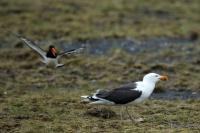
[(34, 98), (33, 101)]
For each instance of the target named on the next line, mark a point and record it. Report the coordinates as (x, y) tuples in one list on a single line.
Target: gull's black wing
[(121, 95)]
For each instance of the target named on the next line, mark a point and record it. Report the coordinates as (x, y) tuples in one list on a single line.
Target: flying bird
[(135, 92), (50, 57)]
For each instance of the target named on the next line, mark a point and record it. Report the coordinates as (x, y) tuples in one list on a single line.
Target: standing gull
[(127, 94), (50, 57)]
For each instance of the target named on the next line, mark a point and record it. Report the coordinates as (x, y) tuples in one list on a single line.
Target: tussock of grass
[(34, 98), (33, 101)]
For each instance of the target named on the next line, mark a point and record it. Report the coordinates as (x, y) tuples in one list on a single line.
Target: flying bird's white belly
[(51, 62)]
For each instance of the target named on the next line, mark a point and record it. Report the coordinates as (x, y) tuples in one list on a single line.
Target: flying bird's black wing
[(121, 95), (32, 45), (72, 51)]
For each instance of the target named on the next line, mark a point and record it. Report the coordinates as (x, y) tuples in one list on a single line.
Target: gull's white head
[(154, 77)]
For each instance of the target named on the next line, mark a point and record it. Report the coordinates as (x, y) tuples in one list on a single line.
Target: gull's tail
[(89, 98)]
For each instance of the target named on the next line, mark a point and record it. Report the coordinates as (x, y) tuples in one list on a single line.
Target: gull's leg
[(98, 107), (129, 114), (121, 112), (109, 108), (108, 115)]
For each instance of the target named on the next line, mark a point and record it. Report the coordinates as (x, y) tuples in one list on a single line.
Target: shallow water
[(176, 95), (130, 45), (102, 46)]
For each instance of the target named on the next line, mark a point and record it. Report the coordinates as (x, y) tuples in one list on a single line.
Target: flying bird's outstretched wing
[(72, 51), (32, 45)]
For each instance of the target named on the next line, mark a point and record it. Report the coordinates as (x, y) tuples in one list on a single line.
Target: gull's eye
[(156, 76)]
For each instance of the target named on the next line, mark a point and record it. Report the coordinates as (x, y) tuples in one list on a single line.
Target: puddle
[(102, 46), (176, 95)]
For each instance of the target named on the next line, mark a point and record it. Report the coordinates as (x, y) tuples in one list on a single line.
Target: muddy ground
[(124, 40)]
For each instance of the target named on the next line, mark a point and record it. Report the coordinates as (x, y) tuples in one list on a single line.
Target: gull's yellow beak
[(164, 78)]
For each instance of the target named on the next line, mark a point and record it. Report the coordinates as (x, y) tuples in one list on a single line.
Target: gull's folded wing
[(120, 95)]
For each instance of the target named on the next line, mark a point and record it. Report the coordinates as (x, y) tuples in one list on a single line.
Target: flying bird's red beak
[(53, 50), (164, 78)]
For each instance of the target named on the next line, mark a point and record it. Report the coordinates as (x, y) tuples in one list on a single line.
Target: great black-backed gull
[(127, 94), (50, 57)]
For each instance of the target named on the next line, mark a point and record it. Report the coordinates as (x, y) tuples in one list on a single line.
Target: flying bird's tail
[(59, 65)]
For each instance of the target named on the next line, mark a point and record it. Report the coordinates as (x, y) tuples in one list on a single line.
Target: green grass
[(60, 110), (32, 101)]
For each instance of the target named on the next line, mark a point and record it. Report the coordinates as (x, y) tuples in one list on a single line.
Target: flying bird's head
[(52, 50), (153, 77)]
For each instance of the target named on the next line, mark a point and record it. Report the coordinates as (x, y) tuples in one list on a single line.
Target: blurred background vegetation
[(32, 101), (78, 19)]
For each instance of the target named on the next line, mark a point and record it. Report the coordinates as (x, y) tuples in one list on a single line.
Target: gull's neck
[(149, 82), (148, 87)]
